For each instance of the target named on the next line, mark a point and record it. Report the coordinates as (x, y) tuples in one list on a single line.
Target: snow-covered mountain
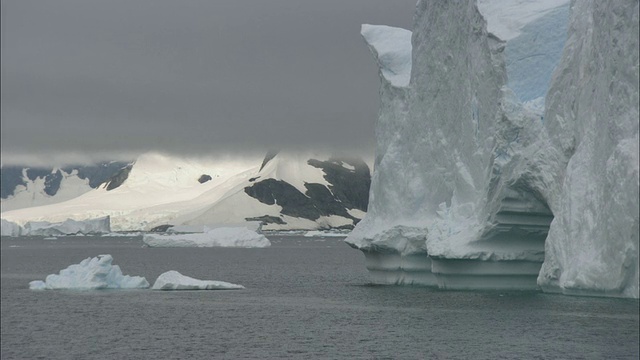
[(283, 190), (473, 170), (24, 187)]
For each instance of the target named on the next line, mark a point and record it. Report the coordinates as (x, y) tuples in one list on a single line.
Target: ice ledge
[(401, 255), (389, 268), (400, 239), (386, 268), (391, 47)]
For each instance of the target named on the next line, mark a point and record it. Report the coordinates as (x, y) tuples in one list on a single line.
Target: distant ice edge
[(467, 179)]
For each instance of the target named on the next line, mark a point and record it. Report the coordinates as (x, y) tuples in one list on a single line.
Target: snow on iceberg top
[(505, 18), (392, 48), (91, 274), (218, 237), (173, 280)]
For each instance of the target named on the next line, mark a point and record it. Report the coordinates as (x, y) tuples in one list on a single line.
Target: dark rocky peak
[(35, 173), (52, 182), (270, 155), (118, 178), (293, 202), (267, 219), (350, 184), (97, 174), (11, 177), (161, 228), (15, 176), (204, 178)]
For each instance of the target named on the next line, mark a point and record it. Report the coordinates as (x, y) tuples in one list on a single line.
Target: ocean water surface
[(306, 298)]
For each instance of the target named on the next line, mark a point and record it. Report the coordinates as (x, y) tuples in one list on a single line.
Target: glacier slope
[(155, 180), (161, 190)]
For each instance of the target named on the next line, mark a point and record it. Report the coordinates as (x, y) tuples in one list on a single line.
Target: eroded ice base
[(507, 257), (463, 274), (396, 269), (452, 274)]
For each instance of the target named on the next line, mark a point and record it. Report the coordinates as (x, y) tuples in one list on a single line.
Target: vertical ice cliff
[(466, 179), (592, 122), (442, 199)]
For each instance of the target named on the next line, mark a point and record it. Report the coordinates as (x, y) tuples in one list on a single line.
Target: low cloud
[(90, 80)]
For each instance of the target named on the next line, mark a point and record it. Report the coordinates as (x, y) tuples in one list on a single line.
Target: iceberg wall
[(445, 204), (467, 179), (592, 122), (534, 54)]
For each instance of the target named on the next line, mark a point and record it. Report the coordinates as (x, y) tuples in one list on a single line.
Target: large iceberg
[(217, 237), (443, 164), (91, 274), (467, 179), (173, 280)]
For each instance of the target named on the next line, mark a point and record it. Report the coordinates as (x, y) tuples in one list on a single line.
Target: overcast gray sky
[(189, 77)]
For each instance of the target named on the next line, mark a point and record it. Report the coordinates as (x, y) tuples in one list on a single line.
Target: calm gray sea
[(305, 299)]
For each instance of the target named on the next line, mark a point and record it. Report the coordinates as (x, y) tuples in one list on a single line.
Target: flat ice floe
[(173, 280), (218, 237), (91, 274)]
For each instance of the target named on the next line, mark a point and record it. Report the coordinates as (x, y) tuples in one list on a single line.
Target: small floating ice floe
[(91, 274), (173, 280), (218, 237)]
